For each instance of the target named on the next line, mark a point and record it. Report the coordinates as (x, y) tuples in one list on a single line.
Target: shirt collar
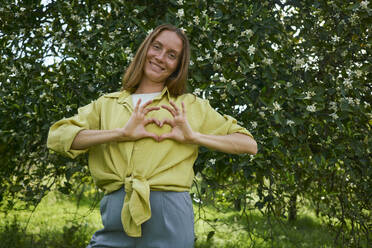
[(124, 97)]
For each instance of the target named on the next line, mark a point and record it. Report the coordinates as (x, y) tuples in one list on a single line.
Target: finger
[(145, 105), (173, 113), (165, 136), (151, 120), (183, 109), (167, 121), (150, 109), (174, 106), (152, 135), (137, 105)]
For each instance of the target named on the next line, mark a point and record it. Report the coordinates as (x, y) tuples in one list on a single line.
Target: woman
[(142, 155)]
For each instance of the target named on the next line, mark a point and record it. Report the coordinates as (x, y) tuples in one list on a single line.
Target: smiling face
[(162, 57)]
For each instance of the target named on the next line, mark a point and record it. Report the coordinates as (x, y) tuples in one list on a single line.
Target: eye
[(172, 56), (156, 46)]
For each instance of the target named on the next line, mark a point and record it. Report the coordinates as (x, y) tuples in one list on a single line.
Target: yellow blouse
[(145, 164)]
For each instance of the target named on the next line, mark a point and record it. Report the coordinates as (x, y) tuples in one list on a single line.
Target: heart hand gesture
[(135, 127), (181, 130)]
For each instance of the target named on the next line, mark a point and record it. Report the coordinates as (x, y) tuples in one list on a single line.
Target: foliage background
[(295, 73)]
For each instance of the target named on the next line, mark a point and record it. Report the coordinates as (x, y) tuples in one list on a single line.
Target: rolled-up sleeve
[(63, 132), (216, 124)]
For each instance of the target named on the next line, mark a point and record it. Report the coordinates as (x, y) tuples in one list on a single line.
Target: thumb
[(165, 136), (152, 135)]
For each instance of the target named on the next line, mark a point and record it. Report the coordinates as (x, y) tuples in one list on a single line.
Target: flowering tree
[(295, 73)]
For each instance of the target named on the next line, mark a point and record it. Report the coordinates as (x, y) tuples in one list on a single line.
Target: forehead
[(169, 40)]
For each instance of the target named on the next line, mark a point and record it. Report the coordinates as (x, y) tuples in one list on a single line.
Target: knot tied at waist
[(136, 209)]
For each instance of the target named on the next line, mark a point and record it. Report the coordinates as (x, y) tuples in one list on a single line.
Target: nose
[(160, 56)]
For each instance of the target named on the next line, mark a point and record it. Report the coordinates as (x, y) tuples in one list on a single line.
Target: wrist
[(195, 138), (119, 134)]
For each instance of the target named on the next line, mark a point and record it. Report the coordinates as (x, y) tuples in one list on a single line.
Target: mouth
[(156, 66)]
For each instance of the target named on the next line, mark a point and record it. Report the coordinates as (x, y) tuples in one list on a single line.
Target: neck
[(147, 86)]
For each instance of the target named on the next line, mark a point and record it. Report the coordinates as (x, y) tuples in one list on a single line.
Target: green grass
[(58, 223)]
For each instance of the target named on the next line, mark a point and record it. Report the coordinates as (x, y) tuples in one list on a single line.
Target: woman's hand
[(135, 127), (181, 130)]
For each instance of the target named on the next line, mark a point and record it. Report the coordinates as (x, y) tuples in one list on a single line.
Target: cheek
[(173, 65), (151, 53)]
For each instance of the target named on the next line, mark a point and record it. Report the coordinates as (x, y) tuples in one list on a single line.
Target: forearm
[(87, 138), (235, 143)]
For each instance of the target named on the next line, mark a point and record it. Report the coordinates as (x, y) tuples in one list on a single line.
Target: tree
[(295, 73)]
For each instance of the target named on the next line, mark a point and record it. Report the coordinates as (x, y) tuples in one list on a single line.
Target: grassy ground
[(58, 223)]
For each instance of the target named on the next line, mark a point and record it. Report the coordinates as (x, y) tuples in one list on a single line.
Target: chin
[(155, 77)]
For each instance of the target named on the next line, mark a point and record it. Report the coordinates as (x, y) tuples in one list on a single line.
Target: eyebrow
[(172, 50)]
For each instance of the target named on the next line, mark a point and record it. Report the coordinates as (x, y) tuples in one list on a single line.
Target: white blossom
[(300, 62), (309, 94), (335, 38), (267, 61), (350, 100), (253, 124), (180, 13), (277, 106), (68, 108), (311, 108), (252, 66), (197, 91), (359, 73), (348, 84), (334, 116), (212, 160), (247, 32), (75, 18), (150, 31), (262, 114), (128, 50), (196, 20), (236, 44), (223, 96), (333, 106), (290, 122), (251, 50), (218, 43), (200, 58), (180, 2), (231, 27), (354, 17), (223, 79), (276, 85), (364, 4), (233, 83)]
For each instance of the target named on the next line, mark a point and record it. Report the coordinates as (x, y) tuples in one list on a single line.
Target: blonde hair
[(176, 82)]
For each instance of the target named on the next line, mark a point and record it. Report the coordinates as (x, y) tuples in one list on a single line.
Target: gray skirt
[(171, 223)]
